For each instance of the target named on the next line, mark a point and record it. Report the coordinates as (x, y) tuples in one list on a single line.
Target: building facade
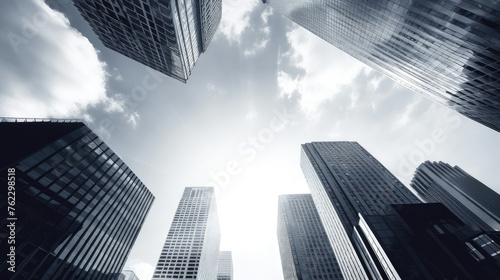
[(191, 250), (167, 36), (225, 266), (346, 180), (75, 208), (470, 200), (426, 241), (303, 242), (128, 275), (448, 50)]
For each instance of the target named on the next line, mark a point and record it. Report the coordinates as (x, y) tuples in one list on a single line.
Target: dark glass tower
[(447, 50), (167, 36), (346, 180), (76, 208), (304, 246), (191, 250), (426, 241), (470, 200)]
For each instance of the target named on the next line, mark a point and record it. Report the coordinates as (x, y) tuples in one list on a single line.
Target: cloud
[(257, 46), (134, 119), (50, 69), (266, 14), (118, 75), (263, 33), (246, 24), (361, 104), (323, 75), (409, 109), (236, 17), (287, 84)]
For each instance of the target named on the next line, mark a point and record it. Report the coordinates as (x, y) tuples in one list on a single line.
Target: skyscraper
[(346, 180), (167, 36), (75, 208), (447, 50), (470, 200), (191, 250), (304, 246), (426, 241), (128, 275), (225, 266)]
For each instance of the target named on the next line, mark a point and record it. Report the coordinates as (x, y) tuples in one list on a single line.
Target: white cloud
[(134, 119), (115, 105), (236, 17), (238, 23), (118, 75), (325, 74), (57, 71), (258, 46), (266, 14), (409, 109), (286, 84), (263, 33), (375, 82)]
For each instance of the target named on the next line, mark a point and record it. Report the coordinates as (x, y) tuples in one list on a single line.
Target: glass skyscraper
[(472, 201), (304, 247), (346, 180), (75, 208), (225, 266), (128, 275), (426, 241), (167, 36), (447, 50), (191, 250)]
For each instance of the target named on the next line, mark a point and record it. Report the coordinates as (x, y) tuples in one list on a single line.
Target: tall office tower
[(447, 50), (191, 250), (426, 241), (346, 180), (74, 207), (466, 197), (167, 36), (225, 266), (128, 275), (304, 246)]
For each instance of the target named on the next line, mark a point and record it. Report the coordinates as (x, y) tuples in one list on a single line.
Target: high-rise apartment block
[(225, 266), (167, 36), (74, 207), (470, 200), (447, 50), (304, 247), (345, 180), (191, 250)]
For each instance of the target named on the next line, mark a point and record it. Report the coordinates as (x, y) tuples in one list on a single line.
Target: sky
[(263, 87)]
